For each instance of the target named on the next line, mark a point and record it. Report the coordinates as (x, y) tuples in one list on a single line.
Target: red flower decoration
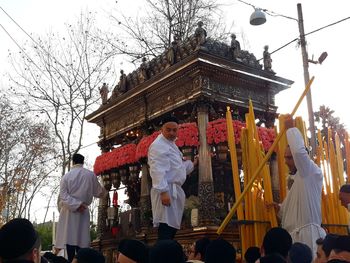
[(143, 145), (217, 131), (187, 135), (117, 157)]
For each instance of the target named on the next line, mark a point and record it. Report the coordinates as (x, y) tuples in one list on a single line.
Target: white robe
[(168, 171), (77, 186), (301, 209)]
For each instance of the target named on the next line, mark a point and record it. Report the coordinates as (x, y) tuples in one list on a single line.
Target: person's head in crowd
[(341, 249), (252, 254), (276, 240), (198, 249), (220, 250), (88, 255), (167, 251), (19, 241), (132, 251), (324, 248), (344, 195), (299, 253), (78, 159), (320, 254), (170, 126), (52, 258), (272, 258)]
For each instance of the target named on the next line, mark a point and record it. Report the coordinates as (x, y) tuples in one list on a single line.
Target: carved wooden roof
[(196, 72)]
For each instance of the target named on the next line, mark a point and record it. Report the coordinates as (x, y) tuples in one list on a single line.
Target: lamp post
[(258, 18)]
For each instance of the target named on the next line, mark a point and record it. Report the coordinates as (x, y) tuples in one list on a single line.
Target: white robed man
[(77, 189), (300, 211), (168, 170)]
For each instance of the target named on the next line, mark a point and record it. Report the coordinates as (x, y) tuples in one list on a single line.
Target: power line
[(314, 31), (25, 32)]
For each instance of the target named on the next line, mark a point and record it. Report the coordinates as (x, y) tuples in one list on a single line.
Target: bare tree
[(24, 144), (164, 21), (58, 78)]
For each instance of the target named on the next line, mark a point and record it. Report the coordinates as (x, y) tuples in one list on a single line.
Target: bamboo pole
[(261, 165), (235, 172)]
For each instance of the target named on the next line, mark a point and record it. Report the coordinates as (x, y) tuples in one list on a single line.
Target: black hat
[(169, 119), (89, 255), (329, 242), (169, 251), (220, 250), (17, 237), (345, 188), (342, 243), (134, 249)]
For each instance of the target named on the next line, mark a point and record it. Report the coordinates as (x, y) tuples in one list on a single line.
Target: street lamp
[(258, 18)]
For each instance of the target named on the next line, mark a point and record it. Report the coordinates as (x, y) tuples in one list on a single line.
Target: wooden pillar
[(205, 175), (145, 199), (102, 217)]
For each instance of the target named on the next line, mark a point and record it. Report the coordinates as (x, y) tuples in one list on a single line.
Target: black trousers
[(166, 232), (71, 251)]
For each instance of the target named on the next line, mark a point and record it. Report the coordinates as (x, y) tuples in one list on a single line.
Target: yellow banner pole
[(261, 165)]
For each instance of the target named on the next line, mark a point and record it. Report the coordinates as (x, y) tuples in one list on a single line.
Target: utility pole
[(306, 80)]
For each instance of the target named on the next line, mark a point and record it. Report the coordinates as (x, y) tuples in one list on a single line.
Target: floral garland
[(217, 131), (116, 158), (143, 145), (187, 136)]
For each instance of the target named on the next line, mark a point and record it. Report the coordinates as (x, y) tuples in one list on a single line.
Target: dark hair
[(252, 254), (300, 253), (78, 158), (201, 247), (277, 240), (220, 250), (329, 242), (134, 249), (89, 255), (273, 258), (319, 241), (345, 188)]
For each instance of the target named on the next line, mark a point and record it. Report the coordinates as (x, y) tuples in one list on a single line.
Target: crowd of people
[(20, 243)]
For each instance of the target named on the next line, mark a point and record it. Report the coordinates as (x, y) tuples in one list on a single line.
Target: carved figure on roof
[(142, 73), (122, 82), (267, 59), (235, 46), (172, 53), (200, 34), (104, 93), (121, 87)]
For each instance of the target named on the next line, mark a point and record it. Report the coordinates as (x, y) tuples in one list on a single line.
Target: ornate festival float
[(195, 81)]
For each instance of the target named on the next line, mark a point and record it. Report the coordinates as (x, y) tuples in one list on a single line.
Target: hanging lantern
[(106, 181), (221, 151), (115, 179), (124, 176)]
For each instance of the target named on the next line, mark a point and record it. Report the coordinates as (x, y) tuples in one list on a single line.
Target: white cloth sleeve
[(302, 161), (189, 166), (159, 165), (98, 190), (66, 200)]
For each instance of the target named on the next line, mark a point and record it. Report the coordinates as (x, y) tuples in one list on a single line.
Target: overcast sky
[(331, 85)]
